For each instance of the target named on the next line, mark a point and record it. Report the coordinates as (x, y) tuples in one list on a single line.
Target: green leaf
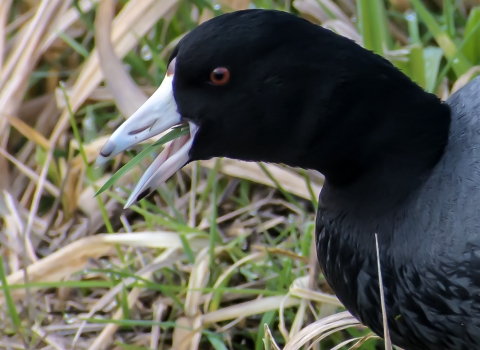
[(287, 194), (373, 25), (216, 343), (413, 29), (416, 63), (84, 16), (308, 182), (89, 172), (471, 47), (448, 17), (466, 39), (138, 65), (432, 56), (214, 236), (124, 303), (175, 133), (306, 238), (73, 44), (460, 63), (12, 309), (131, 347), (267, 318), (63, 284), (218, 294)]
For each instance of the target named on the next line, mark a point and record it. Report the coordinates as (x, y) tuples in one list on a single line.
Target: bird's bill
[(156, 115)]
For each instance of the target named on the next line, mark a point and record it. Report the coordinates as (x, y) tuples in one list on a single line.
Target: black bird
[(268, 86)]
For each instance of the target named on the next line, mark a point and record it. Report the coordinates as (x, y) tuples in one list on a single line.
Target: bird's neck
[(380, 152)]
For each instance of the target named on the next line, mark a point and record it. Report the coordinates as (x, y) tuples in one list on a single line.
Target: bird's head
[(260, 85)]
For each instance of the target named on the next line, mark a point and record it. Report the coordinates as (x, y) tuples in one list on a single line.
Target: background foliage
[(220, 250)]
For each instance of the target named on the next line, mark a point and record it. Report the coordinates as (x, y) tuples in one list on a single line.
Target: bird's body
[(429, 247), (268, 86)]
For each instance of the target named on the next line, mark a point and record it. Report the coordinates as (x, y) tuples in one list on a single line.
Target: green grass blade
[(432, 56), (212, 177), (73, 44), (466, 39), (84, 16), (88, 169), (216, 343), (186, 247), (448, 17), (138, 66), (267, 318), (63, 284), (175, 133), (413, 29), (131, 347), (214, 237), (306, 239), (124, 303), (218, 293), (287, 194), (417, 65), (373, 25), (460, 63), (313, 197), (12, 308), (471, 48)]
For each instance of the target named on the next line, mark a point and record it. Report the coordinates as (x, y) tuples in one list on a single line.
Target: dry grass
[(218, 252)]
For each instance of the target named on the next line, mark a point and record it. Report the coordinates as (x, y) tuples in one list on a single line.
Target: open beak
[(156, 115)]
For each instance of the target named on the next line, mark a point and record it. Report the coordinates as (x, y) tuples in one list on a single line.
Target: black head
[(255, 115), (297, 94), (262, 85)]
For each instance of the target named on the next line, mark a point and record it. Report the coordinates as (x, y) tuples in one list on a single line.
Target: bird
[(401, 166)]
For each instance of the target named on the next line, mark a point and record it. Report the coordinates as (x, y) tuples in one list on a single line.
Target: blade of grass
[(373, 25), (266, 321), (73, 44), (63, 284), (143, 323), (138, 66), (413, 29), (471, 47), (186, 247), (460, 63), (214, 237), (212, 177), (217, 343), (124, 303), (313, 197), (448, 17), (269, 339), (432, 56), (12, 309), (89, 172), (175, 133), (83, 16), (449, 64), (417, 66), (287, 195), (173, 225)]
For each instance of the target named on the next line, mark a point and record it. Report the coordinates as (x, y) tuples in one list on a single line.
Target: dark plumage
[(397, 161)]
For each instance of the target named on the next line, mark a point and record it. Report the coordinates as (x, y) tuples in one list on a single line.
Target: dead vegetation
[(220, 251)]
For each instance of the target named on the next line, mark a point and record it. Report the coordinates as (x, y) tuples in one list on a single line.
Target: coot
[(268, 86)]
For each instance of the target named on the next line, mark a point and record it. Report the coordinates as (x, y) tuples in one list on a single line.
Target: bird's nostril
[(137, 131)]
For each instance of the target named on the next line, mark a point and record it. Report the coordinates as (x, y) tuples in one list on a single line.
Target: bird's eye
[(220, 76)]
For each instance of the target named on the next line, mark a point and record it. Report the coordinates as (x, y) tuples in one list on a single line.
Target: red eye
[(220, 76)]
